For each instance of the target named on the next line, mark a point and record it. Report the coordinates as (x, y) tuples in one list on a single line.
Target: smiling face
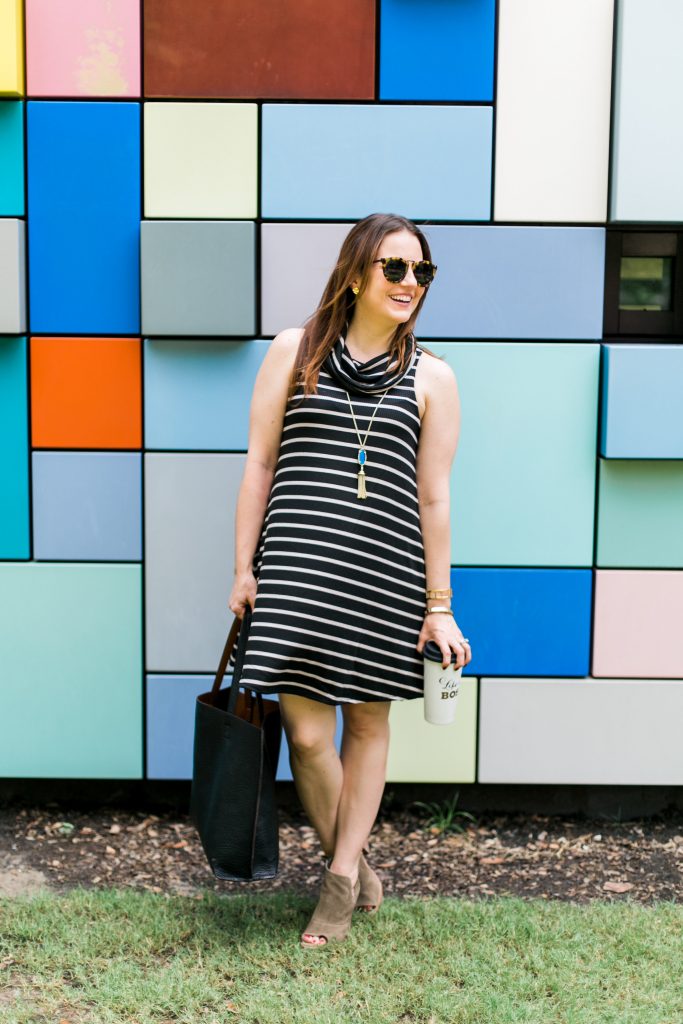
[(384, 302)]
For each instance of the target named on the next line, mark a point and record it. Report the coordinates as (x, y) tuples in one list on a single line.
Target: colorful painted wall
[(175, 180)]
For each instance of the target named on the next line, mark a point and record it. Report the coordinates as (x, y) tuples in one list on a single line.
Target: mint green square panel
[(422, 752), (523, 480), (71, 681), (640, 514)]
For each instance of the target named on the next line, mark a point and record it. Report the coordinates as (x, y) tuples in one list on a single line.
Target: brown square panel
[(282, 49)]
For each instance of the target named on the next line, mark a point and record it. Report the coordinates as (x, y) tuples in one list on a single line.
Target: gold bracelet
[(439, 610), (439, 592)]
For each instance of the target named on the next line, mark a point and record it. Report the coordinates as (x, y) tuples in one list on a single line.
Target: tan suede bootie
[(371, 892), (331, 918)]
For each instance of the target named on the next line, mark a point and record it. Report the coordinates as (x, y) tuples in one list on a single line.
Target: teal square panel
[(198, 393), (198, 277), (71, 683), (523, 481), (14, 507), (11, 158), (640, 514)]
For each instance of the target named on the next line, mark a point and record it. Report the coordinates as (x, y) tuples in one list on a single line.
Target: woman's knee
[(310, 730), (367, 720)]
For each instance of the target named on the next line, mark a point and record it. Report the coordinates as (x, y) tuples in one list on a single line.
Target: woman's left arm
[(439, 433)]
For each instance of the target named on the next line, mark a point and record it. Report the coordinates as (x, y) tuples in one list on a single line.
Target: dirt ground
[(531, 856)]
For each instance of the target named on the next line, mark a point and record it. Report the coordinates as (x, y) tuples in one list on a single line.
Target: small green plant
[(443, 816)]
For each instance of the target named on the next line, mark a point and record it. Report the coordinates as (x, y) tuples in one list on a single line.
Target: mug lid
[(431, 651)]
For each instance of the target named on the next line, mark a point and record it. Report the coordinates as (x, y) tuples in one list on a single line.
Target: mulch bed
[(530, 856)]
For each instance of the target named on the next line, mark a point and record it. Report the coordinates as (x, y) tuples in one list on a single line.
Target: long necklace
[(362, 454)]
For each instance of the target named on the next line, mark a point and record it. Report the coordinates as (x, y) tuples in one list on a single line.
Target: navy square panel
[(525, 622), (84, 223), (198, 277), (436, 50), (87, 506)]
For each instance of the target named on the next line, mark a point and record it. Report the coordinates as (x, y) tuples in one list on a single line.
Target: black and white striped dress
[(341, 580)]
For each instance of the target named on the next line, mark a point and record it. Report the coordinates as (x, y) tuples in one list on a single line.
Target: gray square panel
[(296, 261), (12, 277), (594, 732), (197, 277), (190, 503)]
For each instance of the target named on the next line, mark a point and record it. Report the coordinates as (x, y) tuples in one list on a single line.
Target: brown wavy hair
[(336, 307)]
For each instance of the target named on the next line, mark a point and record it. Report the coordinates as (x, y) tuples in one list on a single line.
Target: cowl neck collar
[(369, 378)]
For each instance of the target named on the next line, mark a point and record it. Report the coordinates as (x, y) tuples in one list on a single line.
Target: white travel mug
[(441, 685)]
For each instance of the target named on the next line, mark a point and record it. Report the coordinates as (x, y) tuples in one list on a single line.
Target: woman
[(343, 519)]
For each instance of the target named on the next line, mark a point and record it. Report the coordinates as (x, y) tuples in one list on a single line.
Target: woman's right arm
[(266, 417)]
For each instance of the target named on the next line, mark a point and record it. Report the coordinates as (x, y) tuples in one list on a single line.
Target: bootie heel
[(371, 892), (331, 918)]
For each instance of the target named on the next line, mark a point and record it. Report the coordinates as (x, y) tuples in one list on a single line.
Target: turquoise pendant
[(361, 456)]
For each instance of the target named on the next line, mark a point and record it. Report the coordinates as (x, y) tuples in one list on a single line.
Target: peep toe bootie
[(331, 918), (371, 892)]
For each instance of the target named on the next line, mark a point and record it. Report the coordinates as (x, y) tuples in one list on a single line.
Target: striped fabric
[(341, 580)]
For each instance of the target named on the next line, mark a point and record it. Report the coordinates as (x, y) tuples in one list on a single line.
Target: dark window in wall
[(643, 282)]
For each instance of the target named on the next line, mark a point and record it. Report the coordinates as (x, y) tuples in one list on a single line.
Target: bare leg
[(365, 746), (310, 726)]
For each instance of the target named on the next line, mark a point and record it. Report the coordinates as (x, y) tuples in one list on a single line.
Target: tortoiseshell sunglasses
[(395, 269)]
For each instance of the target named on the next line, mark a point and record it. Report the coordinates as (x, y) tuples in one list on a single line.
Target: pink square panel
[(83, 47), (638, 624)]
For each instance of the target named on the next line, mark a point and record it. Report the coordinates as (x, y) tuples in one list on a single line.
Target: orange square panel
[(283, 49), (86, 393)]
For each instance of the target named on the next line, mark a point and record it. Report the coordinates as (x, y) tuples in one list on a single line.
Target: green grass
[(126, 956)]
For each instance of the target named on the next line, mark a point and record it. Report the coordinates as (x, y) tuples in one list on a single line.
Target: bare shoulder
[(288, 339), (433, 377), (283, 349)]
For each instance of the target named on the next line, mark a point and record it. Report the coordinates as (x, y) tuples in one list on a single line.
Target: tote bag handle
[(235, 630)]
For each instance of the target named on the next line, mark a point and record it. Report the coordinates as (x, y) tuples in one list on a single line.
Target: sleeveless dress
[(341, 580)]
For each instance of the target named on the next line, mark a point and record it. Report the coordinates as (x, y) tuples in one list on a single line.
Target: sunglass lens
[(424, 272), (395, 270)]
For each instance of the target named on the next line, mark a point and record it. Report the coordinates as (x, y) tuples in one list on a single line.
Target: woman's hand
[(445, 632), (243, 593)]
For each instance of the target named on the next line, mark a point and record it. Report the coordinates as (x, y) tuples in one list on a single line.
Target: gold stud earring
[(355, 290)]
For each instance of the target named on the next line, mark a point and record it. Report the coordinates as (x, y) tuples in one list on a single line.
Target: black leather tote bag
[(236, 750)]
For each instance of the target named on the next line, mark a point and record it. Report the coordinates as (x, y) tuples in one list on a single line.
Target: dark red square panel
[(277, 49)]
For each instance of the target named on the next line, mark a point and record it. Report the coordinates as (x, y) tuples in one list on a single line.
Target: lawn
[(132, 957)]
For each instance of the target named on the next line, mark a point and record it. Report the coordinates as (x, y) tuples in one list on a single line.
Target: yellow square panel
[(11, 48), (422, 752)]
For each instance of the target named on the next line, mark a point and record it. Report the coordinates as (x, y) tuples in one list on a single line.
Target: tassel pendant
[(362, 492)]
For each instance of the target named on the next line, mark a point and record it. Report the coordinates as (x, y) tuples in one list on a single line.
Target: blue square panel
[(642, 402), (515, 282), (11, 158), (330, 160), (171, 704), (198, 393), (87, 505), (14, 514), (198, 277), (431, 50), (84, 196), (523, 479), (525, 622)]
